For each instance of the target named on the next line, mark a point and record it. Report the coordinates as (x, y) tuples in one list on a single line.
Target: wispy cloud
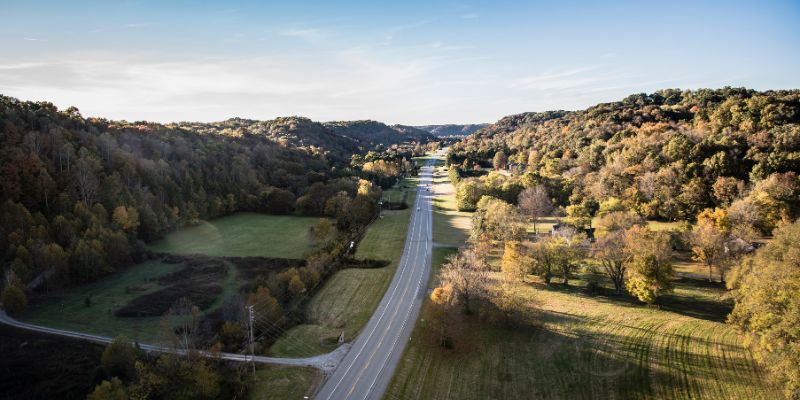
[(470, 16), (33, 39), (393, 31), (561, 80), (309, 33)]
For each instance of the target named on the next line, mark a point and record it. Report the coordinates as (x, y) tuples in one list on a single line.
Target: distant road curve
[(325, 362)]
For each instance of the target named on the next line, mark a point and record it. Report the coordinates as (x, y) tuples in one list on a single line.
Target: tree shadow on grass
[(581, 359), (691, 306)]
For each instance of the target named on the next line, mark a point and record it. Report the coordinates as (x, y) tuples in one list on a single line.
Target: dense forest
[(452, 129), (667, 155), (79, 197), (336, 140)]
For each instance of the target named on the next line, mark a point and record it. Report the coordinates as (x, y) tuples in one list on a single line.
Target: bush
[(14, 300)]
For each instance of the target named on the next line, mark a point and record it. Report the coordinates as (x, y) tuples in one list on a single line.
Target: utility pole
[(252, 319)]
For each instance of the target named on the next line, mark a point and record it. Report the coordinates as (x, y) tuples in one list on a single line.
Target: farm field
[(576, 345), (242, 235), (348, 299)]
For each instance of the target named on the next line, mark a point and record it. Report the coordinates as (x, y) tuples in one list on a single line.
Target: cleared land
[(130, 302), (70, 310), (242, 235), (582, 346), (348, 299)]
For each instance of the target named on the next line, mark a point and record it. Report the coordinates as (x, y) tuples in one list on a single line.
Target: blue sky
[(411, 62)]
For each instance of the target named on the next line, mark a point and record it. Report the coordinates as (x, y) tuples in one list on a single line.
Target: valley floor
[(572, 344)]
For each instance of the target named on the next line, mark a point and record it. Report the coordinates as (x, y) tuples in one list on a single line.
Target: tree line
[(80, 197)]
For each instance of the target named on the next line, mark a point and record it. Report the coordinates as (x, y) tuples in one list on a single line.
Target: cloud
[(393, 31), (562, 80), (333, 85), (470, 16), (33, 39), (308, 34)]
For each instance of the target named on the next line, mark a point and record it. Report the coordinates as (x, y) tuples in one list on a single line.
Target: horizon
[(411, 64)]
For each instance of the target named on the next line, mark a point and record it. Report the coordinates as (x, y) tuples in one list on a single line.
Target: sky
[(410, 62)]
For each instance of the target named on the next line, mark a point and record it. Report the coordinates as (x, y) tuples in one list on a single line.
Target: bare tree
[(535, 203), (86, 180), (610, 250), (467, 275), (571, 249), (181, 324)]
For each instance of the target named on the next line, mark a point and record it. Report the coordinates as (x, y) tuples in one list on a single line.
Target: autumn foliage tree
[(766, 290), (466, 274), (650, 270)]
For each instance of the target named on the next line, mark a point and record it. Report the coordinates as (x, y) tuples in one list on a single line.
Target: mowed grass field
[(69, 310), (242, 235), (348, 299), (450, 226), (574, 345)]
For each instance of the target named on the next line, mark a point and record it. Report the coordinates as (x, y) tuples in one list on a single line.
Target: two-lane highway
[(366, 370)]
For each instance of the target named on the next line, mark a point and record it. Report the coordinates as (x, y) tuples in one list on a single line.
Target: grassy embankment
[(348, 299), (243, 234), (577, 345), (276, 382)]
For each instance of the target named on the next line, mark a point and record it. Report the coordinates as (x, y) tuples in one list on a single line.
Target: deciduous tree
[(535, 203), (766, 290)]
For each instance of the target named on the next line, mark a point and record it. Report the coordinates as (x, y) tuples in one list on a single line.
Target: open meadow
[(574, 345), (242, 235)]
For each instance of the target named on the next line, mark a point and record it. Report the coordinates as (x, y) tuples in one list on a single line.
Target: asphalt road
[(366, 370), (325, 362)]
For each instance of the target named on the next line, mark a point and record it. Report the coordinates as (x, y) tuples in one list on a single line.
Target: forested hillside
[(78, 197), (452, 129), (372, 134), (336, 140), (667, 155)]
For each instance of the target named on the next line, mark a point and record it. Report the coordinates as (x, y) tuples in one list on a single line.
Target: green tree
[(109, 390), (650, 270), (119, 358), (14, 300), (579, 216), (494, 219), (468, 193)]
